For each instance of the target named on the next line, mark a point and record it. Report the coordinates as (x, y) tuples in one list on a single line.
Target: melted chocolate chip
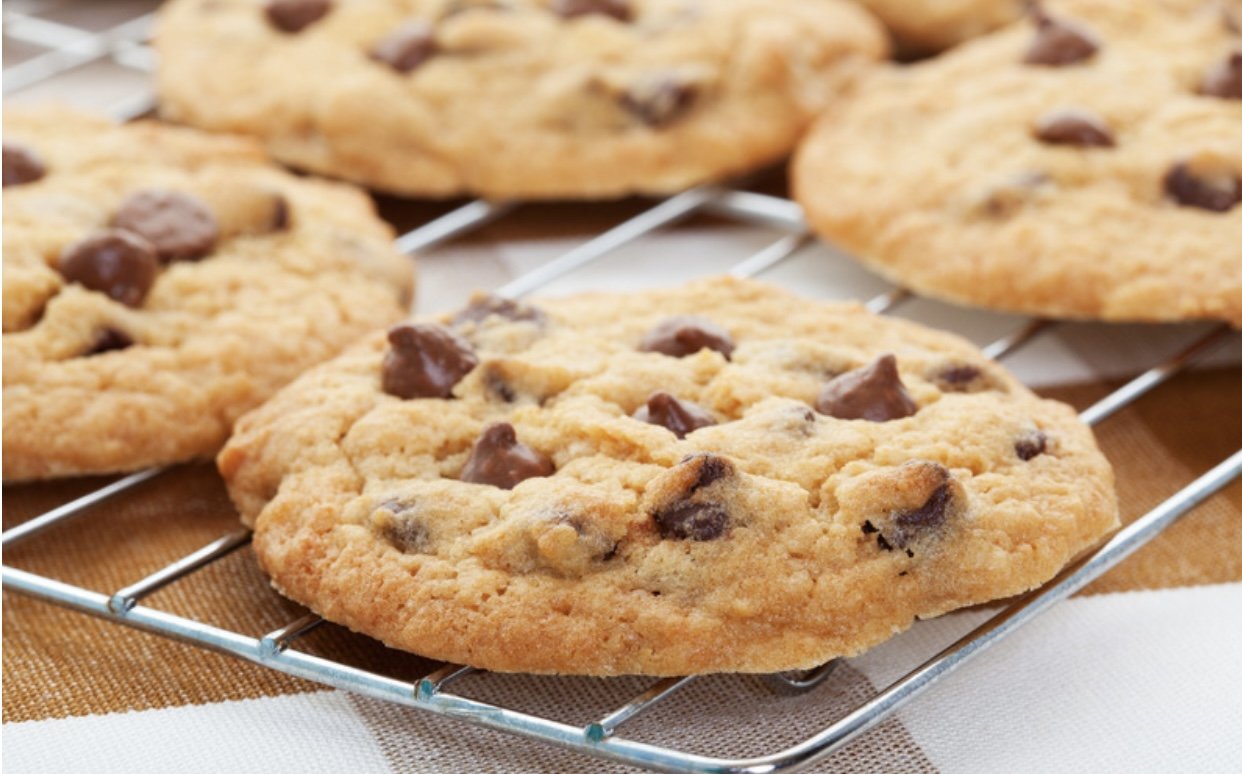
[(908, 525), (117, 263), (425, 361), (1031, 445), (482, 307), (874, 393), (1060, 42), (406, 47), (109, 340), (280, 218), (685, 335), (406, 532), (958, 378), (569, 9), (499, 459), (686, 520), (712, 468), (1080, 128), (296, 15), (1218, 193), (21, 165), (660, 101), (680, 416), (1224, 80), (180, 226)]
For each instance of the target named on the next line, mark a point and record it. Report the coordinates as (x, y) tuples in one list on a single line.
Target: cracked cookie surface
[(159, 282), (665, 482), (513, 98), (1085, 162)]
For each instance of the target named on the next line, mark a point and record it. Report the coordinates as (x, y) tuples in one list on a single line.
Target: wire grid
[(67, 47)]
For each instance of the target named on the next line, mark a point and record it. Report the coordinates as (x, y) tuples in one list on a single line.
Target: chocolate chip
[(21, 165), (957, 378), (483, 307), (496, 384), (874, 393), (296, 15), (109, 340), (1060, 42), (1224, 80), (1031, 445), (908, 525), (686, 335), (120, 264), (500, 460), (1080, 128), (407, 47), (279, 219), (180, 226), (425, 361), (405, 532), (680, 416), (685, 520), (1216, 193), (711, 468), (568, 9), (868, 528), (660, 101)]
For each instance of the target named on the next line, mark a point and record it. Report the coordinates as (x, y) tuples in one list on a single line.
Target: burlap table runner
[(61, 664)]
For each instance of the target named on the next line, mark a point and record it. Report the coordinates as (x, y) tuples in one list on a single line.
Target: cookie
[(1086, 163), (922, 27), (159, 282), (513, 98), (718, 477)]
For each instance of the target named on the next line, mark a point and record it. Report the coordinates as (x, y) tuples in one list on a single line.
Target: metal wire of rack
[(67, 47)]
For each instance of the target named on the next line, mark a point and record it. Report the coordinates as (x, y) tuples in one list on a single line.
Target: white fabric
[(1137, 682)]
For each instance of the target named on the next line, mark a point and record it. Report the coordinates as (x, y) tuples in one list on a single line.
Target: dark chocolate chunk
[(109, 340), (660, 101), (296, 15), (499, 459), (425, 360), (407, 47), (686, 520), (483, 307), (680, 416), (1080, 128), (1216, 193), (874, 393), (1224, 80), (908, 525), (120, 264), (685, 335), (180, 226), (1031, 445), (1060, 42), (568, 9), (868, 528), (21, 164)]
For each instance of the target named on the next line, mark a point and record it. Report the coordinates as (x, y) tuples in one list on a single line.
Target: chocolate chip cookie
[(921, 27), (159, 282), (1086, 162), (719, 477), (513, 98)]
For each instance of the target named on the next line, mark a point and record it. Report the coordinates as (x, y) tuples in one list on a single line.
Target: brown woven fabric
[(59, 664)]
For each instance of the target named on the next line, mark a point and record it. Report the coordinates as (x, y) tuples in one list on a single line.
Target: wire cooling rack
[(61, 47)]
